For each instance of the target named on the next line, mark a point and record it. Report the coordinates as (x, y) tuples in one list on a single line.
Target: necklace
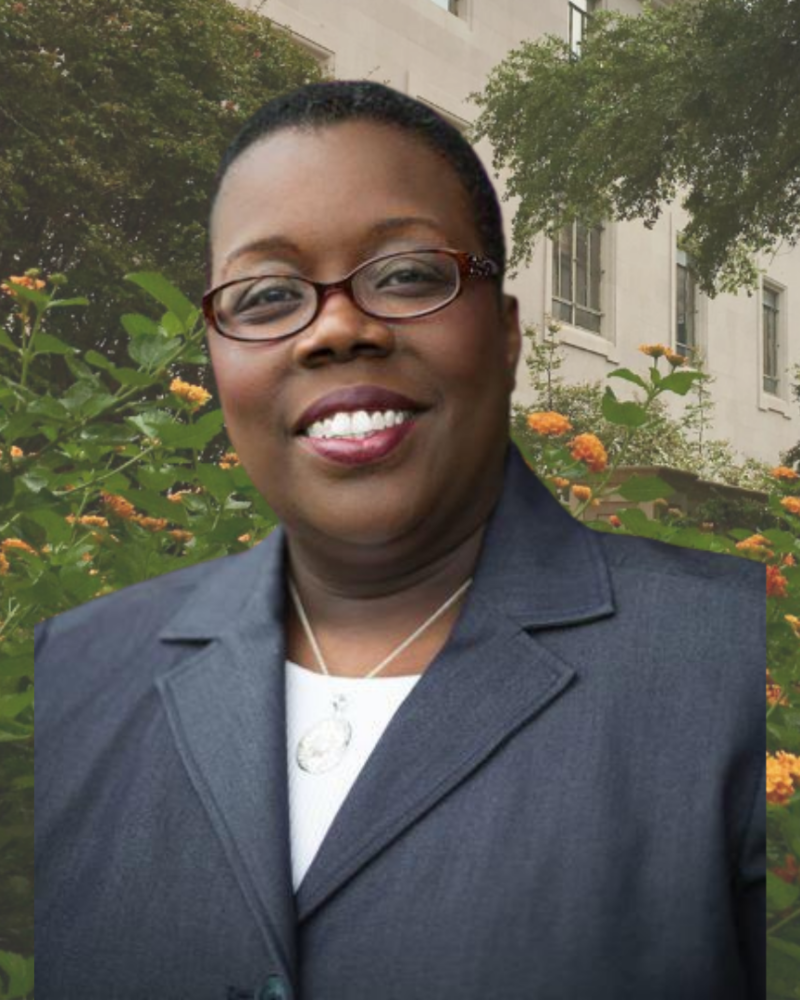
[(324, 745)]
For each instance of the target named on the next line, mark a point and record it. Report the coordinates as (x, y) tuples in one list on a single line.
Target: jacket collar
[(538, 565)]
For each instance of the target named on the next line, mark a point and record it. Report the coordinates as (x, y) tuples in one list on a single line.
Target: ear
[(513, 335)]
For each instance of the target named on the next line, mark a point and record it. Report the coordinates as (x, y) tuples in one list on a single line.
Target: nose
[(342, 332)]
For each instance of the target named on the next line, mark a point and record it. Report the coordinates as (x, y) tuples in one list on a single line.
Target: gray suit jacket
[(570, 804)]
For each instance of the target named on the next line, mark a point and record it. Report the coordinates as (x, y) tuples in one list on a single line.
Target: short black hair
[(317, 105)]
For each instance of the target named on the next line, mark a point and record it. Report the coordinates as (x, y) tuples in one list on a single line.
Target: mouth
[(358, 424)]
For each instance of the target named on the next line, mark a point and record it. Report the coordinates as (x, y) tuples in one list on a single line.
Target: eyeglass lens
[(400, 286)]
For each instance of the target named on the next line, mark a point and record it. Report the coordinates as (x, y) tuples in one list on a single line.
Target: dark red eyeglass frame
[(470, 265)]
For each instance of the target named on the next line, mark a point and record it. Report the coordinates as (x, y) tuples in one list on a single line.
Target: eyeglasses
[(394, 286)]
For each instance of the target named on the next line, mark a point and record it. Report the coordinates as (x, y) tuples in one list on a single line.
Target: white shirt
[(314, 799)]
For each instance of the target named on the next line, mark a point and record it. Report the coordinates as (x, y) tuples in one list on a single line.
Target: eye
[(268, 299), (411, 275)]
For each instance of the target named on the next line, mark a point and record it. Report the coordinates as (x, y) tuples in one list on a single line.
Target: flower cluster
[(782, 771), (230, 460), (775, 693), (194, 394), (125, 511), (757, 546), (23, 281), (784, 472), (549, 423), (792, 504), (777, 583), (656, 351), (589, 448), (582, 492)]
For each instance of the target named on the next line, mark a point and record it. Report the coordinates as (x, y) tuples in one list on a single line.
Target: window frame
[(776, 327), (560, 304), (683, 264)]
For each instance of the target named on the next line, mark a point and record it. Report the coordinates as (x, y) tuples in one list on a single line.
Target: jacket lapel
[(539, 567), (226, 708)]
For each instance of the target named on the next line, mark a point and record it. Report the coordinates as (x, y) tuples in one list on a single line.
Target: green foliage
[(661, 439), (693, 101), (113, 118), (117, 479)]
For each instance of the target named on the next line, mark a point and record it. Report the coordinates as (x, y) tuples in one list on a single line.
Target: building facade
[(613, 288)]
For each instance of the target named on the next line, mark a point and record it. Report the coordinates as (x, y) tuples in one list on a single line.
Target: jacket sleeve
[(751, 897)]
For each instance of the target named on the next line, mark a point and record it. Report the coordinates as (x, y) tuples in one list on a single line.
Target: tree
[(113, 119), (698, 100)]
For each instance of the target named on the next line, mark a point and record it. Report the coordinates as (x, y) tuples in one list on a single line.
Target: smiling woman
[(433, 738)]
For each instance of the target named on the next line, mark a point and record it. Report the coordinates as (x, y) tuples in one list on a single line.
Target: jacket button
[(274, 989)]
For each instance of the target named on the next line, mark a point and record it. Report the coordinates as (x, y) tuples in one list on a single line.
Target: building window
[(449, 5), (771, 316), (580, 13), (685, 306), (576, 276)]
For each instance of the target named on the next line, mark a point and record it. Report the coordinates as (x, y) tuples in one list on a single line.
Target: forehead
[(327, 192)]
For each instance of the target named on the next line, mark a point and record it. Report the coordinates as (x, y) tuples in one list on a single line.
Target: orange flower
[(582, 492), (560, 482), (788, 560), (244, 539), (775, 692), (782, 770), (653, 350), (23, 281), (16, 452), (549, 423), (177, 496), (90, 520), (756, 545), (784, 472), (17, 543), (150, 523), (777, 583), (792, 504), (119, 506), (195, 394), (674, 358), (794, 622), (181, 536), (5, 565), (589, 448), (614, 520), (790, 871)]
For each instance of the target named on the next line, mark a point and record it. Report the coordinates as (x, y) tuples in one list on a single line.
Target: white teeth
[(356, 425)]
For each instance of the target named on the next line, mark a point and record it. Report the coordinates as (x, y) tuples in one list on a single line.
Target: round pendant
[(323, 746)]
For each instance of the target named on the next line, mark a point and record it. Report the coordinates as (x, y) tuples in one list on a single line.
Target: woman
[(433, 738)]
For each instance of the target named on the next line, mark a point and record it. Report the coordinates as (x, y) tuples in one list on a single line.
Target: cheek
[(247, 383)]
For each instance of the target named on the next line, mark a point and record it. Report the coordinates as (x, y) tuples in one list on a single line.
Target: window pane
[(587, 320), (563, 249), (684, 308), (771, 307), (562, 311), (581, 265)]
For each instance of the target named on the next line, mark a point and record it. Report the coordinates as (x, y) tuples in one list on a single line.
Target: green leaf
[(46, 343), (37, 298), (6, 341), (6, 488), (137, 325), (780, 894), (60, 303), (150, 351), (637, 522), (164, 292), (195, 435), (629, 376), (125, 376), (56, 526), (680, 382), (644, 488), (14, 667), (19, 970), (216, 481), (625, 414)]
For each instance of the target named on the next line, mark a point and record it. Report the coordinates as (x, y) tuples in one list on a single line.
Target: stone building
[(614, 288)]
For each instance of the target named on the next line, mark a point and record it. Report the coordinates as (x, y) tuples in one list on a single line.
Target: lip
[(353, 398)]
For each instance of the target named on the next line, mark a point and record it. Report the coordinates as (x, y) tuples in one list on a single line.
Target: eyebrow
[(386, 227)]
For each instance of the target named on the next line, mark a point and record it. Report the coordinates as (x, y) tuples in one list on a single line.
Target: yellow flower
[(549, 423), (792, 504), (16, 452), (782, 770), (794, 622), (653, 350), (119, 505), (582, 492), (784, 472), (17, 543), (195, 394), (589, 448)]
